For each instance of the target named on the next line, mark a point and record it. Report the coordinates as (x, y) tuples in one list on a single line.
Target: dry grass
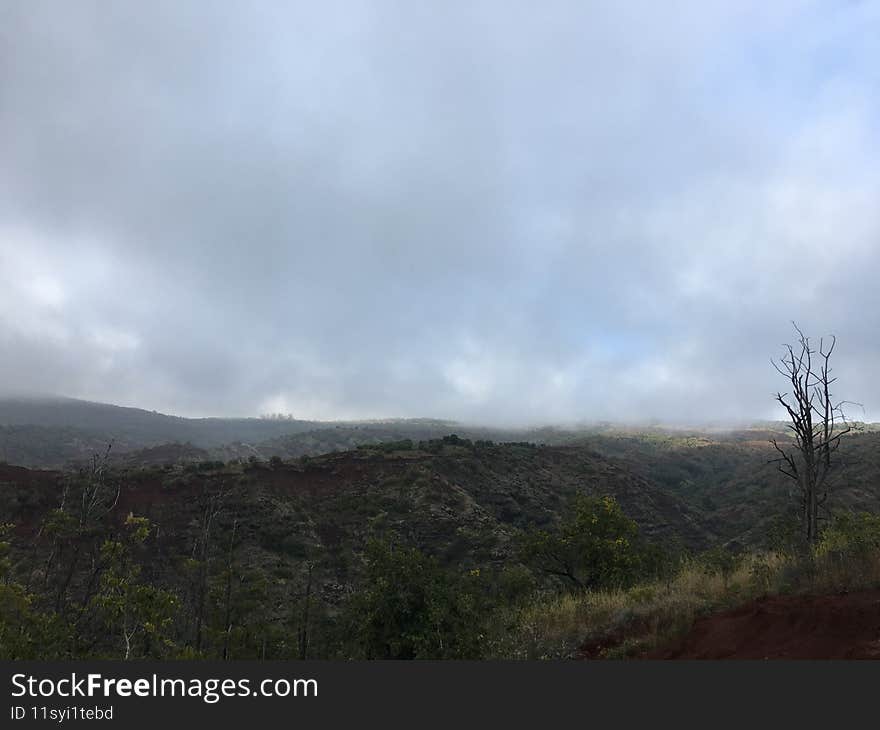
[(616, 624), (624, 622)]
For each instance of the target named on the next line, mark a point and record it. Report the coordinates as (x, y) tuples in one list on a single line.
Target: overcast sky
[(501, 212)]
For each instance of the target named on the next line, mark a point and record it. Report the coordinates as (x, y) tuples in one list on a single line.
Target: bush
[(720, 561), (595, 547), (411, 608), (785, 537), (851, 534), (210, 465), (848, 552)]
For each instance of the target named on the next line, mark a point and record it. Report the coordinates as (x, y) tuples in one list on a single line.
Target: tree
[(128, 608), (597, 546), (25, 632), (817, 424), (211, 506), (86, 500), (411, 608)]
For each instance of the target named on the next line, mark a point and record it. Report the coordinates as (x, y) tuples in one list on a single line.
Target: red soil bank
[(843, 626)]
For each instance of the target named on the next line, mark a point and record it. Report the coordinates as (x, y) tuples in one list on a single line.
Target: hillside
[(303, 526), (279, 544), (458, 500), (731, 479), (140, 426), (723, 476), (52, 432)]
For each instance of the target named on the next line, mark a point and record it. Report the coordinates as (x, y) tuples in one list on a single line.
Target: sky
[(496, 212)]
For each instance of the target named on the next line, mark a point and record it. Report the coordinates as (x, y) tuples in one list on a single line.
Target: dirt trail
[(843, 626)]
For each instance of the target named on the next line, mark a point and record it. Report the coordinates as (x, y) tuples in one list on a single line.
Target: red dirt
[(23, 475), (843, 626), (336, 473), (36, 481)]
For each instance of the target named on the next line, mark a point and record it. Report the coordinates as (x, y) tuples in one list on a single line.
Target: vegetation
[(620, 622), (411, 552), (411, 608), (457, 546), (596, 546), (406, 603)]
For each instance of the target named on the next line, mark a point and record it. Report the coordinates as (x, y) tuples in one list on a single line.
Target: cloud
[(484, 211)]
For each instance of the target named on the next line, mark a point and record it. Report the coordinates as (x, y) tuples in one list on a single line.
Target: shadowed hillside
[(731, 479), (277, 530)]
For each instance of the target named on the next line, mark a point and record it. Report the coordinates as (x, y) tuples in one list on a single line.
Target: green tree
[(411, 608), (596, 546), (139, 615), (25, 632)]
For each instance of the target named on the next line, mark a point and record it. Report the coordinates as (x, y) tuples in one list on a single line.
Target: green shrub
[(597, 546), (411, 608), (720, 561), (850, 535)]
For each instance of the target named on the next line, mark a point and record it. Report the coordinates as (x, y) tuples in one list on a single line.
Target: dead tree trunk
[(817, 425), (230, 564), (213, 506), (303, 633)]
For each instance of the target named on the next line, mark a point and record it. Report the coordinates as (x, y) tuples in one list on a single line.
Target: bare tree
[(212, 507), (817, 424), (230, 566), (85, 501), (303, 631)]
